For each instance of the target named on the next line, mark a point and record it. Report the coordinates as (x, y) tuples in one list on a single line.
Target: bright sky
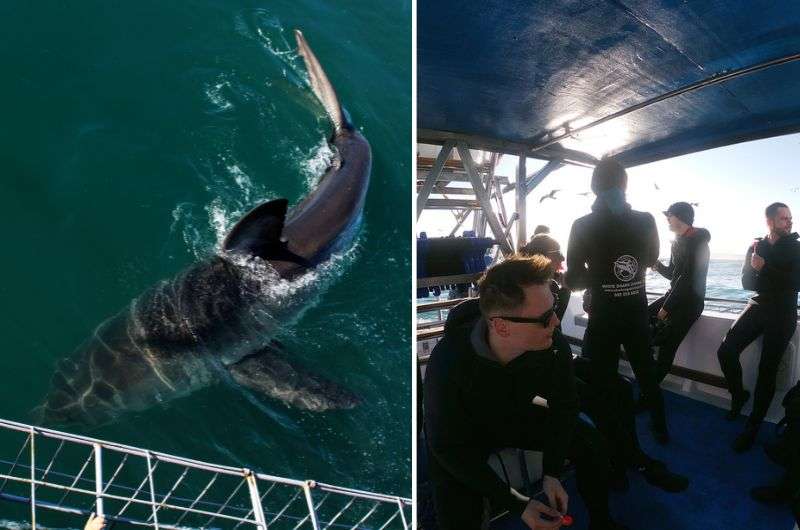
[(732, 185)]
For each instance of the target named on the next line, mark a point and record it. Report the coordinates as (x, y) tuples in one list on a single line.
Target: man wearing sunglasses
[(485, 385)]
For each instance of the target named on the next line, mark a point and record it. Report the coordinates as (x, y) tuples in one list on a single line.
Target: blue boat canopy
[(577, 80)]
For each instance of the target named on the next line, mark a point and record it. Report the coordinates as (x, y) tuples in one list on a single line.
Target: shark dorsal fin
[(258, 233)]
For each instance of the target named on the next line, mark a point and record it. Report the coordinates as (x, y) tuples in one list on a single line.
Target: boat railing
[(719, 305), (61, 472)]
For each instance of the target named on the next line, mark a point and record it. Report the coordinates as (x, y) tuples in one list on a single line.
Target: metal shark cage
[(59, 472)]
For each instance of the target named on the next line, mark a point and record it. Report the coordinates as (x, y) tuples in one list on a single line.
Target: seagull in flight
[(695, 204), (551, 195), (585, 193), (656, 186)]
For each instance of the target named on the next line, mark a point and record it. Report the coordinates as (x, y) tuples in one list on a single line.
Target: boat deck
[(718, 496)]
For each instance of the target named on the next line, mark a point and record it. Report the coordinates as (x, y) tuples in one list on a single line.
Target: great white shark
[(217, 319)]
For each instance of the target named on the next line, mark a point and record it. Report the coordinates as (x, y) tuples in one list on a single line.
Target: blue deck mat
[(718, 497)]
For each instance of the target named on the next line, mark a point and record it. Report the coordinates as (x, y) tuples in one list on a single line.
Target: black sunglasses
[(544, 319)]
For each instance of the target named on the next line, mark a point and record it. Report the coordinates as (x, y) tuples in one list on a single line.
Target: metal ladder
[(61, 472)]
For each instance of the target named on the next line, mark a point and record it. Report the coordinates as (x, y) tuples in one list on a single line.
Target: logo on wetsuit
[(625, 268)]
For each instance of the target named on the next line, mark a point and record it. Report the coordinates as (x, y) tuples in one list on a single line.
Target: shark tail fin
[(321, 85)]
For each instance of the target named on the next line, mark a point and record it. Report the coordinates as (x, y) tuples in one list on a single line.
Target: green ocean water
[(132, 136)]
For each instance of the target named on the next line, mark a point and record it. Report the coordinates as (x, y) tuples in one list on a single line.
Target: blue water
[(724, 283), (724, 280), (134, 136)]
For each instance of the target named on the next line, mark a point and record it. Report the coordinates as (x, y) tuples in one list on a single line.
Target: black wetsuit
[(474, 405), (561, 296), (771, 312), (684, 301), (608, 253)]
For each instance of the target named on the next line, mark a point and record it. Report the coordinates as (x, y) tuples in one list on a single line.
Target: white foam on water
[(307, 288), (284, 51), (312, 164), (221, 219), (180, 215), (214, 92), (259, 25), (241, 179), (234, 194), (183, 221)]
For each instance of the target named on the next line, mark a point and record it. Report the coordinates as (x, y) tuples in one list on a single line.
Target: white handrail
[(343, 507)]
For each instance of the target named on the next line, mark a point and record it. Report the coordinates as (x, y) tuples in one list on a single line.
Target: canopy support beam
[(483, 198), (430, 181), (521, 195)]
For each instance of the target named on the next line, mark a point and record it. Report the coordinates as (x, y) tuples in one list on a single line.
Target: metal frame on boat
[(61, 472)]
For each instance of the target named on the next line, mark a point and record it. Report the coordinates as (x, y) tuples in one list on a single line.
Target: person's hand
[(662, 314), (756, 261), (95, 522), (532, 516), (555, 493)]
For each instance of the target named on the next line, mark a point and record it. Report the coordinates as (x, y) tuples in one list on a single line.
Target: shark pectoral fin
[(269, 373)]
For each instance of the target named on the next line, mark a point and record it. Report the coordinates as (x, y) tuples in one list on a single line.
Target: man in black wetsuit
[(612, 414), (683, 303), (483, 383), (608, 253), (772, 270)]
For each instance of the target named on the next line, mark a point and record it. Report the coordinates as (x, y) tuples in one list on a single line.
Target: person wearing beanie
[(608, 253), (772, 270), (676, 311)]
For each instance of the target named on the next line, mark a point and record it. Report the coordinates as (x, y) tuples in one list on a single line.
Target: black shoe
[(771, 495), (660, 432), (779, 454), (746, 438), (657, 474), (737, 403)]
